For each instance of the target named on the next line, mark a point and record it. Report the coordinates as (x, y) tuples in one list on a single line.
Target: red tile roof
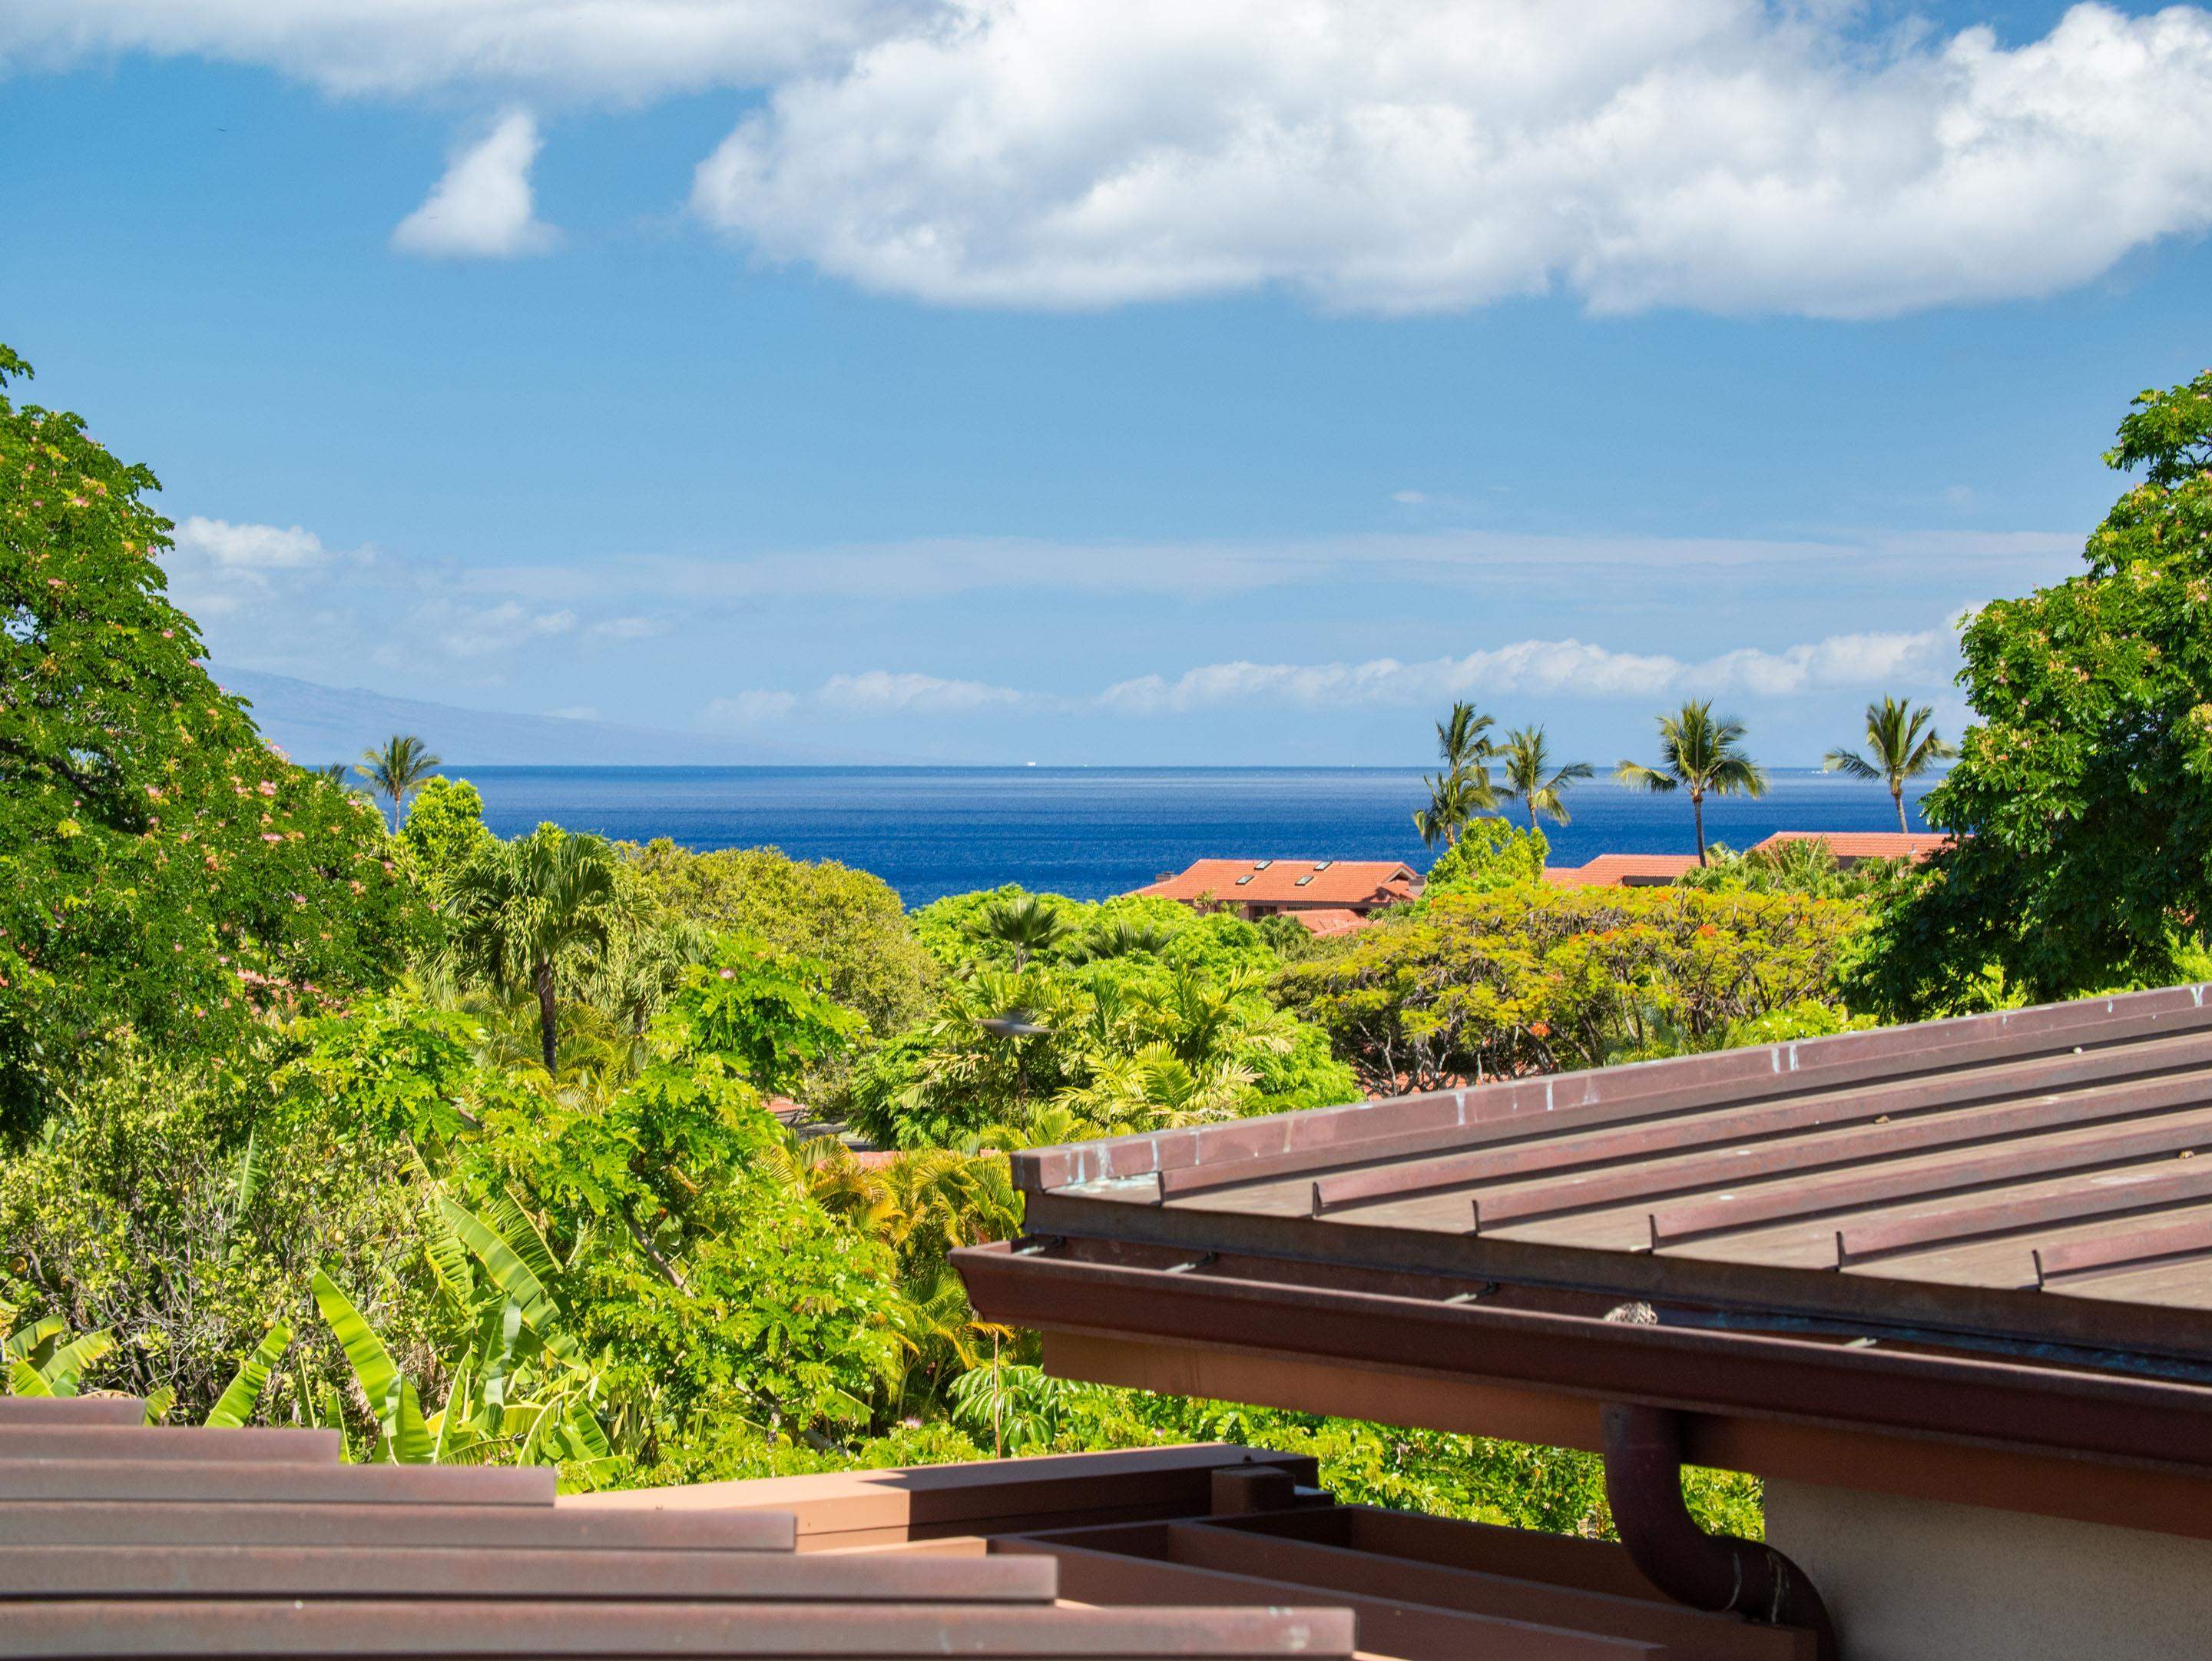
[(1622, 870), (1291, 882), (1329, 921), (1864, 844)]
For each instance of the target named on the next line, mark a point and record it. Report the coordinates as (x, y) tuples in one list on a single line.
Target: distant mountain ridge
[(314, 724)]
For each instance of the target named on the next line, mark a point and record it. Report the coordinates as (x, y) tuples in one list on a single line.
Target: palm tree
[(1701, 754), (395, 771), (1531, 780), (519, 909), (1462, 789), (1454, 799), (1029, 924), (1905, 744), (1462, 741)]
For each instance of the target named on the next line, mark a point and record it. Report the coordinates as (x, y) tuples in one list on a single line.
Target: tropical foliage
[(1462, 788), (1902, 745), (1530, 777), (164, 874), (2082, 795), (1535, 980), (1701, 754), (648, 1164)]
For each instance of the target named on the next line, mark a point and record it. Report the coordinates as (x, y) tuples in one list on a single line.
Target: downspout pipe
[(1716, 1572)]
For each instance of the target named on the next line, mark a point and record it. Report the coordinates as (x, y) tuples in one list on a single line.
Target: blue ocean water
[(1089, 832)]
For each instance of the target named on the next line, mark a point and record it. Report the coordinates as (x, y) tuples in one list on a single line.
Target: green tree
[(164, 875), (1530, 778), (1490, 854), (2082, 796), (1462, 788), (521, 910), (1902, 744), (1701, 754), (849, 921), (1029, 924), (445, 828), (394, 772), (1536, 979)]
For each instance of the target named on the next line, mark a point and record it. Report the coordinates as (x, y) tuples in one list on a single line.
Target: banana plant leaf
[(60, 1370), (511, 1273), (23, 1379), (508, 1214), (240, 1396), (35, 1340), (403, 1438), (159, 1403)]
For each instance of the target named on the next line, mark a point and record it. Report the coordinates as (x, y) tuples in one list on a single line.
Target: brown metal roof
[(1996, 1226), (122, 1542), (1202, 1526)]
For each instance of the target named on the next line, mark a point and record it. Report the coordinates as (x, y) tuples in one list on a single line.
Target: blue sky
[(1030, 381)]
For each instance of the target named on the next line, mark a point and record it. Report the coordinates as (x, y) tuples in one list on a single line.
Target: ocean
[(1091, 831)]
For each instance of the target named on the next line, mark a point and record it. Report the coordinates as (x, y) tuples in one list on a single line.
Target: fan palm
[(521, 908), (395, 771), (1532, 781), (1703, 754), (1029, 924), (1463, 788), (1904, 744)]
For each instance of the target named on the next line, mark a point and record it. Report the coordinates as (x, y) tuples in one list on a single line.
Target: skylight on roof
[(1324, 865), (1304, 880), (1246, 877), (1263, 864)]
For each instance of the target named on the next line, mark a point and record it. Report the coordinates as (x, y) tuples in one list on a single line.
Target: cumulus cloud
[(219, 568), (1412, 157), (1384, 155), (483, 208), (631, 52), (1570, 668), (494, 630)]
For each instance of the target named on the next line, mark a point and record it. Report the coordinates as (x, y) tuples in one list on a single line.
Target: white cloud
[(1390, 156), (575, 712), (483, 209), (1409, 157), (629, 51), (1570, 668), (219, 570), (249, 547), (879, 692), (625, 628), (495, 630)]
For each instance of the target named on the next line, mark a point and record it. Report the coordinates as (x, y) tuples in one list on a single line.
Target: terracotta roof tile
[(1291, 882)]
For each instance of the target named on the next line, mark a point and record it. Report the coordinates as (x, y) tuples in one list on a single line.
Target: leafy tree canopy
[(445, 830), (2083, 793), (1538, 980), (162, 871), (848, 922), (1490, 854)]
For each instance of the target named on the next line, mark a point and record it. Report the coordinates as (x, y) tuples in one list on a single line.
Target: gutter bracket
[(1714, 1572)]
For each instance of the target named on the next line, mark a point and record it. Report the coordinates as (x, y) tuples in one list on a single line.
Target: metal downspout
[(1712, 1572)]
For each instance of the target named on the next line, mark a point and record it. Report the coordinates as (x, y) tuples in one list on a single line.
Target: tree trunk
[(1897, 795), (1697, 811), (547, 1028)]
